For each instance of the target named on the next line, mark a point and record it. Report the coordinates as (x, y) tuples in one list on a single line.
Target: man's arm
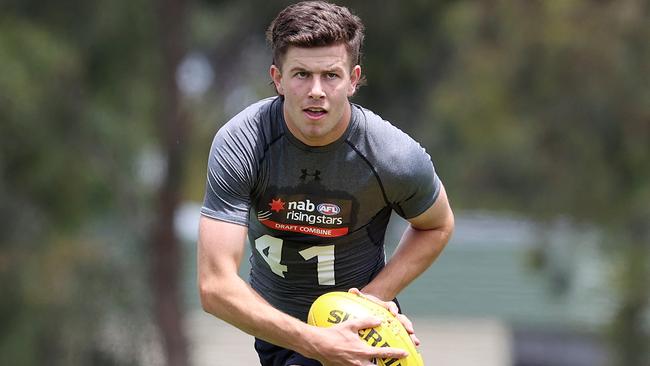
[(225, 295), (421, 244)]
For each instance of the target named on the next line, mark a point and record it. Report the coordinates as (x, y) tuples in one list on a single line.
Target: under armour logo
[(306, 173)]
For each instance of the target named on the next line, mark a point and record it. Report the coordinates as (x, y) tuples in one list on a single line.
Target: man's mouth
[(315, 112)]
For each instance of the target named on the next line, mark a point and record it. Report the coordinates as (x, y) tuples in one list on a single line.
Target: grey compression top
[(316, 216)]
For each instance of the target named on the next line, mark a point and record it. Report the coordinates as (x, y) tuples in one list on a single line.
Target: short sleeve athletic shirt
[(316, 216)]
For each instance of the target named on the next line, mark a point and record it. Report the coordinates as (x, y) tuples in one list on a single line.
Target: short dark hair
[(315, 24)]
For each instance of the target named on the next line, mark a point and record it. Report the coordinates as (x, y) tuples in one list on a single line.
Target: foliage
[(545, 104), (74, 104), (544, 110)]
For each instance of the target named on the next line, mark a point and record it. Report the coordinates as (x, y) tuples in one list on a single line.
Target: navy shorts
[(272, 355)]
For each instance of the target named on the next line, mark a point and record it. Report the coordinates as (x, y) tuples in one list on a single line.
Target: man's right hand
[(340, 345)]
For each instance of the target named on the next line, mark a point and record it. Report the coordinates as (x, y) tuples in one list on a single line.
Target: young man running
[(310, 180)]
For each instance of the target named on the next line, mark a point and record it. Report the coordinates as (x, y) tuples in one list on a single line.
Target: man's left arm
[(421, 243)]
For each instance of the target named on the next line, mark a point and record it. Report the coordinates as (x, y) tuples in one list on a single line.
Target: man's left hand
[(392, 307)]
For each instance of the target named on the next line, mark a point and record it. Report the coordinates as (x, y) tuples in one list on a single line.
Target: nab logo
[(328, 209)]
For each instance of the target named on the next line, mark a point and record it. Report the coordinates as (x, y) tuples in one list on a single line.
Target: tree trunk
[(166, 254)]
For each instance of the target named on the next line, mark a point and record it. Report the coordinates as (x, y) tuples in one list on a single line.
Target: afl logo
[(328, 209)]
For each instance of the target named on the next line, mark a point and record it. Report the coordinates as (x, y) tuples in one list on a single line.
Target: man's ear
[(276, 76), (355, 77)]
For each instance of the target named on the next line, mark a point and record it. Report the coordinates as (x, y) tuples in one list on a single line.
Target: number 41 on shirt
[(273, 248)]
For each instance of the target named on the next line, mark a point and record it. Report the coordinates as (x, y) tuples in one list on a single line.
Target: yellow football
[(336, 307)]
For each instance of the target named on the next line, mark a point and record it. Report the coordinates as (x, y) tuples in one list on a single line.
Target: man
[(311, 180)]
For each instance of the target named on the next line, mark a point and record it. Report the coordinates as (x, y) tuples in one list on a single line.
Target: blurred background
[(536, 114)]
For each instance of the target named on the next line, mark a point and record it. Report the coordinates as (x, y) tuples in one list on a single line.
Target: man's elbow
[(442, 233), (444, 236), (449, 227), (216, 294), (209, 297), (442, 228)]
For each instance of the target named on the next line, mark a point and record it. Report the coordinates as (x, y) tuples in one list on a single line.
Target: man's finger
[(355, 291), (392, 307), (388, 305), (388, 352), (406, 322), (415, 339), (408, 325), (363, 323)]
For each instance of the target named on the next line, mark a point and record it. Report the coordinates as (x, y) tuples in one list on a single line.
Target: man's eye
[(301, 74), (331, 75)]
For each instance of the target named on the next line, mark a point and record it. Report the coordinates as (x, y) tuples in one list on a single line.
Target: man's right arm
[(228, 297)]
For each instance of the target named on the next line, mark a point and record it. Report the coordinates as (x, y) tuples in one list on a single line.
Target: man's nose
[(316, 90)]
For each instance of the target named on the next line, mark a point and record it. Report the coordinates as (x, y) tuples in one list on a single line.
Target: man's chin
[(315, 137)]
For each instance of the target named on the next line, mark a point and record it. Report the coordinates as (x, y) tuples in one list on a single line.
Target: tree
[(164, 244), (76, 93), (544, 111)]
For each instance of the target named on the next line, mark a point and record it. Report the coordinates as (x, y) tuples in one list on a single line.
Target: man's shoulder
[(382, 140), (255, 115), (402, 165), (259, 122)]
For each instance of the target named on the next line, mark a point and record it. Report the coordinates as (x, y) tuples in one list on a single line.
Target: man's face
[(316, 84)]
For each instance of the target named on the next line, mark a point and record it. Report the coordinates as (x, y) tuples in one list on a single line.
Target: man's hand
[(340, 345), (392, 307)]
